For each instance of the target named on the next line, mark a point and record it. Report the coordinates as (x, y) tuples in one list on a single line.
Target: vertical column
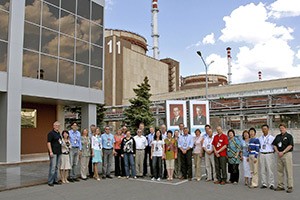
[(88, 115), (60, 116), (12, 140)]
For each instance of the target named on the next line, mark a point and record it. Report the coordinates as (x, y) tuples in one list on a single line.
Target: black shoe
[(271, 187), (289, 190), (57, 183), (279, 189), (84, 179), (51, 184), (109, 177), (263, 187), (76, 179), (71, 180), (103, 177)]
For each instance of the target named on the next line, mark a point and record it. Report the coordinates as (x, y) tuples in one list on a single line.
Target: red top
[(219, 141), (118, 141)]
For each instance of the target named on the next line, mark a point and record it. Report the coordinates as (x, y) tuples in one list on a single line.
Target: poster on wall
[(175, 114), (199, 115)]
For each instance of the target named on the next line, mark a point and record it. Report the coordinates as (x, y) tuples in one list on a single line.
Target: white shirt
[(157, 147), (207, 143), (180, 132), (266, 143), (140, 142), (164, 135)]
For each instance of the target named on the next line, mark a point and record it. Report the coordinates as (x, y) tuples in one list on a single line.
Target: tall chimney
[(154, 25), (229, 64)]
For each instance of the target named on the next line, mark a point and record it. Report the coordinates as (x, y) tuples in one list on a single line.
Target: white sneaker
[(152, 179), (158, 179)]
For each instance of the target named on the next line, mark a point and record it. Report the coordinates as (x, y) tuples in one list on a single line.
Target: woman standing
[(246, 166), (197, 153), (171, 154), (65, 165), (177, 171), (128, 153), (85, 153), (157, 154), (119, 161), (233, 153), (96, 152)]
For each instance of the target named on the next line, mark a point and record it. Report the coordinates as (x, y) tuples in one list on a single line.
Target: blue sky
[(264, 35)]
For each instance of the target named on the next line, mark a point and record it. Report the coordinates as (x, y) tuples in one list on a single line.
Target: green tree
[(139, 110)]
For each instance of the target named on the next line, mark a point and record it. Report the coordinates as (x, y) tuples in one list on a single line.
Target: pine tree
[(139, 110)]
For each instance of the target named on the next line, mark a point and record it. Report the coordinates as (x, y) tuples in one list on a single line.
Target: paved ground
[(24, 175)]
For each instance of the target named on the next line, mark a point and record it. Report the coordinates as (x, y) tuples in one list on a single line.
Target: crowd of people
[(170, 155)]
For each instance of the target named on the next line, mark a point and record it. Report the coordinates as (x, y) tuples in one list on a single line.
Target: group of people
[(170, 154)]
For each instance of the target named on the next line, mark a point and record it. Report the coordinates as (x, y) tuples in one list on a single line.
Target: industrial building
[(50, 55)]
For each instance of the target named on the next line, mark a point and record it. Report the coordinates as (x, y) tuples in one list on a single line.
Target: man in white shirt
[(181, 126), (141, 144), (209, 155), (266, 158)]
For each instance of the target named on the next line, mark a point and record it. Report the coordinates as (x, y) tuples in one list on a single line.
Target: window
[(67, 23), (30, 64), (48, 70), (83, 8), (69, 5), (49, 42), (3, 56), (97, 13), (54, 2), (82, 75), (67, 47), (96, 34), (83, 29), (33, 11), (96, 56), (28, 118), (82, 52), (66, 72), (50, 16), (4, 16), (96, 78), (31, 36), (4, 4)]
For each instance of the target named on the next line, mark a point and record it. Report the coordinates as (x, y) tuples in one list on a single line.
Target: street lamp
[(206, 66)]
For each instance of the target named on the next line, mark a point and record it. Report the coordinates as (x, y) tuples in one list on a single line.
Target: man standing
[(185, 144), (283, 145), (181, 126), (148, 152), (164, 133), (108, 151), (75, 140), (199, 119), (220, 143), (266, 158), (209, 156), (141, 144), (93, 129), (177, 119), (54, 149)]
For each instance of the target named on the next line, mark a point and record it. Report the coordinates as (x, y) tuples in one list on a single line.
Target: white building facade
[(51, 55)]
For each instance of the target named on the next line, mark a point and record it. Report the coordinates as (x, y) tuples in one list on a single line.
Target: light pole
[(206, 81)]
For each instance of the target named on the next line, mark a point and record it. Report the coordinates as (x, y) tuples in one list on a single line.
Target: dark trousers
[(186, 164), (157, 166), (119, 164), (220, 165), (233, 169), (147, 156), (91, 173)]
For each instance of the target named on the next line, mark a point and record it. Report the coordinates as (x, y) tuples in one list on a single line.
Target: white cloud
[(194, 45), (298, 54), (249, 24), (109, 4), (285, 8), (209, 39)]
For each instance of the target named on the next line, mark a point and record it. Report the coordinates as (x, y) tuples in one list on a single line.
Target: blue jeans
[(157, 166), (129, 160), (53, 169)]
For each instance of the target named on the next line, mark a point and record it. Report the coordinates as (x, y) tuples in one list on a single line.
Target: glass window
[(83, 29), (97, 13), (31, 36), (69, 5), (28, 118), (4, 25), (66, 72), (49, 42), (96, 56), (33, 11), (4, 4), (96, 34), (67, 47), (48, 70), (82, 52), (96, 78), (82, 75), (55, 2), (67, 23), (83, 8), (30, 64), (50, 16), (3, 56)]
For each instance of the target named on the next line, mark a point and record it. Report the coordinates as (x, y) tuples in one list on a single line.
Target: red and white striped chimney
[(259, 75), (154, 25)]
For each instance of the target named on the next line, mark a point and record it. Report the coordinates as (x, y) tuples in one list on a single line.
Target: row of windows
[(50, 42), (49, 68), (4, 18)]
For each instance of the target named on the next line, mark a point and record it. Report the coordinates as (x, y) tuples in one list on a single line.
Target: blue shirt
[(75, 139), (245, 146), (185, 141), (150, 137), (233, 148), (254, 146), (108, 140)]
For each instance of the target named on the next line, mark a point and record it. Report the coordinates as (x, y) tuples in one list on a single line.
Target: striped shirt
[(254, 147)]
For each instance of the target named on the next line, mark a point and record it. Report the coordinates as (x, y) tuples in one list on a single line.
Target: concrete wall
[(136, 67)]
